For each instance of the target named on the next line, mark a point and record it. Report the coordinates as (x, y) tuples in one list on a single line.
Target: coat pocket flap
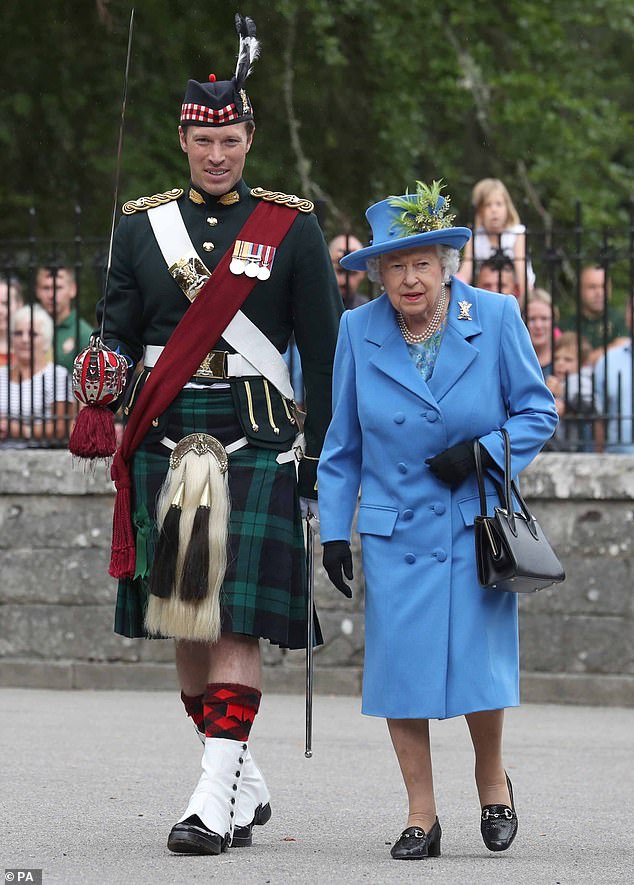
[(470, 507), (376, 520)]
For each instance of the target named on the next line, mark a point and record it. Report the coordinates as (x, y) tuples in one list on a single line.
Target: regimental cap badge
[(224, 102), (246, 104)]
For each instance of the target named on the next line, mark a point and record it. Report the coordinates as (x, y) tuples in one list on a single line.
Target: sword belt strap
[(293, 454)]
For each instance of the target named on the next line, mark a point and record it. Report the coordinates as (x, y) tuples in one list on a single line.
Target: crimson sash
[(198, 331)]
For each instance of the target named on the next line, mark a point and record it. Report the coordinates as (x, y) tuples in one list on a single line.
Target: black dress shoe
[(414, 843), (191, 836), (498, 824), (243, 836)]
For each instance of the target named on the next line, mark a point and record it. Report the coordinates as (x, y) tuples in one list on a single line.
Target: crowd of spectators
[(584, 349), (38, 343)]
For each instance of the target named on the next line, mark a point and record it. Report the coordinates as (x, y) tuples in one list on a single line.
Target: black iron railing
[(595, 395)]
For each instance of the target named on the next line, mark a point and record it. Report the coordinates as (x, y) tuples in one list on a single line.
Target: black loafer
[(243, 836), (414, 843), (191, 836), (498, 824)]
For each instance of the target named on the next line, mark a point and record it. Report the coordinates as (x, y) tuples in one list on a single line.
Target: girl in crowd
[(497, 228)]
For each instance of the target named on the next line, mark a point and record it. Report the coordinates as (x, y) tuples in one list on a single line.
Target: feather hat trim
[(409, 221)]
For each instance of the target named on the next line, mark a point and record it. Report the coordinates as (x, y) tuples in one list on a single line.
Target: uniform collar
[(200, 197)]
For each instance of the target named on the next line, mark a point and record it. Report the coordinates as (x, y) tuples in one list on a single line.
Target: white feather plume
[(248, 50)]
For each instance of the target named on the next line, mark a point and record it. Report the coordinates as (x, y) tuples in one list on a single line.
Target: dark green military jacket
[(145, 303)]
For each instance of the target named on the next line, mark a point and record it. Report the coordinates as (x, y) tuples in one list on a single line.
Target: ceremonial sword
[(117, 173), (310, 625), (99, 374)]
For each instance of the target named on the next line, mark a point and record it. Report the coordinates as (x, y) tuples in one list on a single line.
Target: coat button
[(407, 514), (410, 558), (208, 247), (212, 221), (399, 418), (439, 509), (401, 467), (440, 554), (431, 416)]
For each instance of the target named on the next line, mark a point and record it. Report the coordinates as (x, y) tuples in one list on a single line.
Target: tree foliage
[(354, 100)]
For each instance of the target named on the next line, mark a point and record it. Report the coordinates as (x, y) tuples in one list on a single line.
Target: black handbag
[(512, 551)]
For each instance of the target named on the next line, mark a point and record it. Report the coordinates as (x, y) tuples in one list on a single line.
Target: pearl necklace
[(433, 325)]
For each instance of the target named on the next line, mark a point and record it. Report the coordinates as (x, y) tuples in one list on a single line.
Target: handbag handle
[(477, 457), (508, 497), (505, 492)]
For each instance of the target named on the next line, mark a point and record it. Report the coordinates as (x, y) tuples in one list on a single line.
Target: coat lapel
[(456, 351), (390, 354)]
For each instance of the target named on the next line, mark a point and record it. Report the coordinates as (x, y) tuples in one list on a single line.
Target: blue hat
[(418, 219)]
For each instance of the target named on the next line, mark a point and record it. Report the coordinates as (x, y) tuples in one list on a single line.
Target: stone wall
[(56, 599)]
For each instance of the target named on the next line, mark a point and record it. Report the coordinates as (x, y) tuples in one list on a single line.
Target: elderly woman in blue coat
[(420, 373)]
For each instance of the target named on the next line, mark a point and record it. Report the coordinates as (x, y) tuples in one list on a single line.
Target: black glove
[(337, 559), (455, 464)]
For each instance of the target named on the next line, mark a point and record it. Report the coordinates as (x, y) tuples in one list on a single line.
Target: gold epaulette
[(145, 203), (283, 199)]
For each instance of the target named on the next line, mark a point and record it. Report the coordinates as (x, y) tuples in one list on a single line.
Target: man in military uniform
[(263, 590)]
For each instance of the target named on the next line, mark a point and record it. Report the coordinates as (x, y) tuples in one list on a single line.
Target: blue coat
[(437, 644)]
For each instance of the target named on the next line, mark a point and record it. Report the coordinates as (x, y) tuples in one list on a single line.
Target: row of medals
[(250, 268)]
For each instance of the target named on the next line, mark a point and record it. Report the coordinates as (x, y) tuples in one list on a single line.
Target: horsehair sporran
[(175, 616)]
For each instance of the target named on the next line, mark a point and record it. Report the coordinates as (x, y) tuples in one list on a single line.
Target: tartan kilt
[(264, 592)]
